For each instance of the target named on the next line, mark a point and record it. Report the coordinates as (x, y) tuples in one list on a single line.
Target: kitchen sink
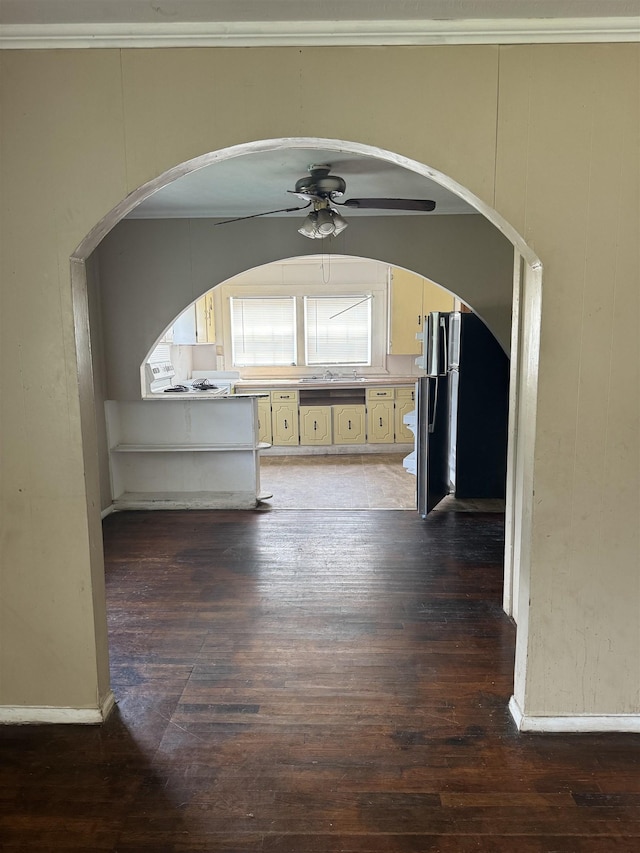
[(334, 379)]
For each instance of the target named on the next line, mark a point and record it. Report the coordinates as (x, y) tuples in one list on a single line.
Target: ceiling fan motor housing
[(320, 183)]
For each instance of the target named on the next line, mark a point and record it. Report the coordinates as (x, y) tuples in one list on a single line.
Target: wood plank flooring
[(312, 682)]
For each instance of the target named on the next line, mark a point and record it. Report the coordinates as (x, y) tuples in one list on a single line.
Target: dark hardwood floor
[(312, 682)]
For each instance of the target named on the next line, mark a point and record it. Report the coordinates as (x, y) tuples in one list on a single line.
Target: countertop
[(343, 382)]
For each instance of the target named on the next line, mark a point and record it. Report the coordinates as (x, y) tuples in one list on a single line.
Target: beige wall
[(546, 135)]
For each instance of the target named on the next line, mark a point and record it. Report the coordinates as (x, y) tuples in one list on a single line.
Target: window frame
[(377, 291), (356, 299), (294, 329)]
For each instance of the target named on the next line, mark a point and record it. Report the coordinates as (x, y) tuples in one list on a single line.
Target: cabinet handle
[(349, 424), (315, 425), (419, 319), (286, 425), (380, 421)]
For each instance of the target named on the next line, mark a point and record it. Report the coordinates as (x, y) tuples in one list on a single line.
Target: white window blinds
[(263, 331), (338, 329)]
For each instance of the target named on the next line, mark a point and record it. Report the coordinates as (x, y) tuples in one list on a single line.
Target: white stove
[(204, 383)]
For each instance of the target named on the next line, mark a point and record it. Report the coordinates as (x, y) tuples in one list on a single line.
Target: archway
[(525, 335)]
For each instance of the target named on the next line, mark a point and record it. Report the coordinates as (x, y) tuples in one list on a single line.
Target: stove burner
[(176, 388), (203, 385)]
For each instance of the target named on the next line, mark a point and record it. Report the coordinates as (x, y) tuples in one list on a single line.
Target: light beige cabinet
[(315, 425), (205, 320), (265, 433), (284, 418), (405, 403), (335, 415), (411, 297), (349, 424), (380, 415)]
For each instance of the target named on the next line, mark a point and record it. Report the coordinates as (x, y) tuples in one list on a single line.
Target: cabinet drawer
[(380, 393), (284, 395), (408, 393)]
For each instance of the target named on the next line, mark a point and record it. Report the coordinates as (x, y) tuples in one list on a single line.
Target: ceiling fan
[(322, 190)]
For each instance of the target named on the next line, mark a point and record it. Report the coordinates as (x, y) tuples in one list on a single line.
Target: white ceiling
[(256, 183)]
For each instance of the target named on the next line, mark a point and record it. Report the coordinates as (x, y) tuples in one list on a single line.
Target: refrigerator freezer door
[(432, 442)]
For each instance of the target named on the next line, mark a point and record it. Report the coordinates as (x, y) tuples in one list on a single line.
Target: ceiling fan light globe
[(324, 223), (339, 223), (308, 227)]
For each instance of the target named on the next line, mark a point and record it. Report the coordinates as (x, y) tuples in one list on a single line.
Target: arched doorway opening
[(526, 281), (355, 363)]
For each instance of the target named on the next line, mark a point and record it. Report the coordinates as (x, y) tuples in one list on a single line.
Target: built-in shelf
[(185, 454)]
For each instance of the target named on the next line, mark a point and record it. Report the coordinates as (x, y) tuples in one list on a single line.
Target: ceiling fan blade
[(421, 204), (266, 213), (306, 196)]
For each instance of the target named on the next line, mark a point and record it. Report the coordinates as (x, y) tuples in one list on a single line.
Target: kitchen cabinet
[(265, 433), (315, 425), (405, 403), (380, 415), (184, 327), (349, 424), (411, 297), (205, 320), (284, 418)]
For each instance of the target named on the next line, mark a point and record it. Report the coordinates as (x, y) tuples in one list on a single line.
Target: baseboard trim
[(107, 511), (583, 724), (22, 715)]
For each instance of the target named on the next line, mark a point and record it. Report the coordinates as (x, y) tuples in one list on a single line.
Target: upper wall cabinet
[(205, 320), (196, 324), (410, 298)]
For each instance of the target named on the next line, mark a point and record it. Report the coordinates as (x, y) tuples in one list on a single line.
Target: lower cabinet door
[(380, 421), (349, 425), (403, 433), (315, 425), (284, 422), (264, 420)]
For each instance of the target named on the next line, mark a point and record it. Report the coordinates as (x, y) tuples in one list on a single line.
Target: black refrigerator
[(462, 412)]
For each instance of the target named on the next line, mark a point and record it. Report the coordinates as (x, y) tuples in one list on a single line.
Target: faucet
[(355, 373), (328, 375)]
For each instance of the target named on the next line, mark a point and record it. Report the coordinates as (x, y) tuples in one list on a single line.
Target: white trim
[(318, 33), (107, 511), (627, 723), (30, 714)]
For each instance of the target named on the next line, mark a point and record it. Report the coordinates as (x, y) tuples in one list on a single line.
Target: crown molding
[(320, 33)]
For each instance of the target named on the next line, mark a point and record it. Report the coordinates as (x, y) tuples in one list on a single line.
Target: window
[(263, 331), (305, 330), (337, 330)]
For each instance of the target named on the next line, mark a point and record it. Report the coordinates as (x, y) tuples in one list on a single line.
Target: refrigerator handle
[(445, 358), (431, 426)]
